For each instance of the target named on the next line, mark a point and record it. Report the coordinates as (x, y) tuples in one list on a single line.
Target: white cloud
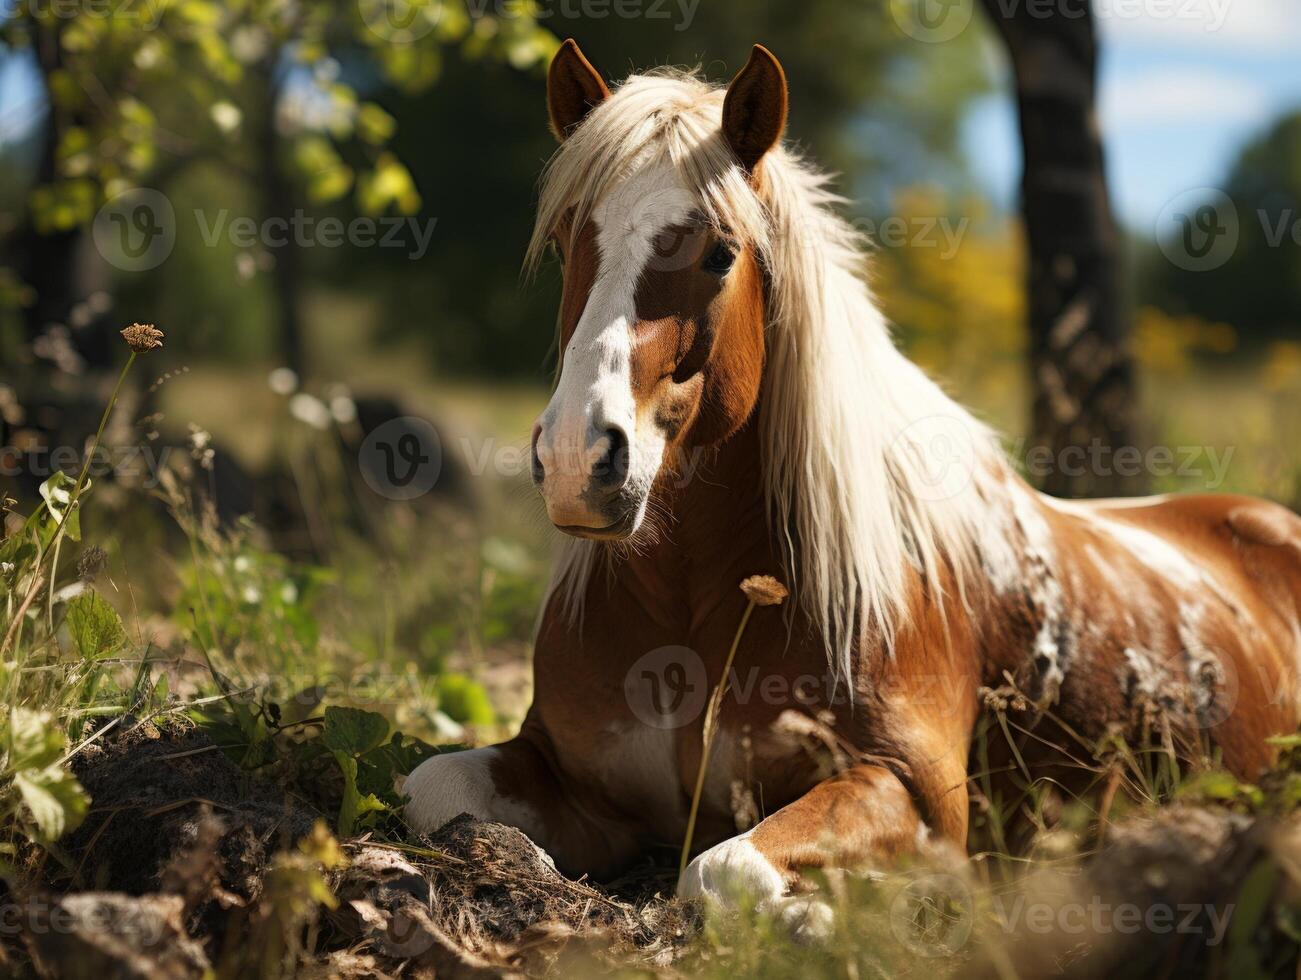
[(1250, 25), (1176, 96)]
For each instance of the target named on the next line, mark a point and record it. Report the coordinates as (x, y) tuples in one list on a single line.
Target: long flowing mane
[(842, 412)]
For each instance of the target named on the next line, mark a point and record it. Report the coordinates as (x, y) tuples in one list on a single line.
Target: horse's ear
[(754, 112), (574, 87)]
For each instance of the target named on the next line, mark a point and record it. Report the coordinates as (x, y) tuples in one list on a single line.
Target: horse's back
[(1231, 534), (1167, 588)]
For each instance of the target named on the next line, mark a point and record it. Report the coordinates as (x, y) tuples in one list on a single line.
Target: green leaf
[(379, 768), (465, 700), (1253, 902), (54, 798), (374, 125), (353, 730), (354, 806), (94, 625), (57, 493), (33, 740)]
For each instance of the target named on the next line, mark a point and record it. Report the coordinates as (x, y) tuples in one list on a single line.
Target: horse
[(728, 403)]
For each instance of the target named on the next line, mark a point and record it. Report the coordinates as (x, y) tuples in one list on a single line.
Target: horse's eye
[(720, 259), (554, 247)]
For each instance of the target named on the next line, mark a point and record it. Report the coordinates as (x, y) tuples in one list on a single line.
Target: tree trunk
[(1081, 369), (47, 262), (278, 202)]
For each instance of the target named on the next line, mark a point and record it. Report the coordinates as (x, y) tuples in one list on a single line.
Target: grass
[(336, 673)]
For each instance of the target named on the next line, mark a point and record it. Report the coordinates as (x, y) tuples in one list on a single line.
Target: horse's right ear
[(754, 110), (574, 88)]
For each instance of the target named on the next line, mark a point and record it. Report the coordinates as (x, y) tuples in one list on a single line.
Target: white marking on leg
[(736, 872), (730, 871), (448, 785)]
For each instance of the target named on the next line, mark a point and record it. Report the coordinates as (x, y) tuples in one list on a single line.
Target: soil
[(168, 877)]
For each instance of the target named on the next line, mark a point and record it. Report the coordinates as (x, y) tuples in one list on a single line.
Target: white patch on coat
[(638, 766), (730, 872), (1046, 594), (735, 873), (448, 785), (595, 387)]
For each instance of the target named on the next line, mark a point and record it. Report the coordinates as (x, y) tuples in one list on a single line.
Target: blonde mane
[(843, 413)]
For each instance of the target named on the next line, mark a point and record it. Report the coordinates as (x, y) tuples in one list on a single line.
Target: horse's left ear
[(754, 111), (574, 88)]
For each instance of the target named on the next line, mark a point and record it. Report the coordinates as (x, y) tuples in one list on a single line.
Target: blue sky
[(1183, 85)]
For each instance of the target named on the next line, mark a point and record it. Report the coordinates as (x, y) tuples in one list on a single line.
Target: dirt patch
[(1186, 891), (485, 890), (181, 867), (167, 799)]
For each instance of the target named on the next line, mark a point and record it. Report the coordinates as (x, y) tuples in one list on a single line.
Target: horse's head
[(663, 310)]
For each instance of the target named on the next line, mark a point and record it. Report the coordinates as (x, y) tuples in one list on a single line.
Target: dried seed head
[(142, 337), (764, 590), (91, 563)]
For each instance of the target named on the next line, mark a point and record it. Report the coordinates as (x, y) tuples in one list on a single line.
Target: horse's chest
[(650, 774)]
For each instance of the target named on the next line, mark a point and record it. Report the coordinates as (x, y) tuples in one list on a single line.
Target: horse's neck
[(710, 528)]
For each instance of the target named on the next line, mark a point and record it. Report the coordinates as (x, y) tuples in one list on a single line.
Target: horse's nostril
[(539, 473), (611, 469)]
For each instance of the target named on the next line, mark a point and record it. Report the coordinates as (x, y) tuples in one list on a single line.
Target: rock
[(93, 935)]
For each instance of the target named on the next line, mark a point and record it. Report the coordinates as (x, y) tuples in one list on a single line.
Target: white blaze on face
[(595, 389)]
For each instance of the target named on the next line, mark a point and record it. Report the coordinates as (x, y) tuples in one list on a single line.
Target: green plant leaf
[(33, 740), (54, 798), (94, 625), (353, 730), (354, 805), (465, 700), (57, 493), (378, 769)]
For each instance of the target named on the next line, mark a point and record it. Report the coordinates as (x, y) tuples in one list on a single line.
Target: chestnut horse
[(728, 403)]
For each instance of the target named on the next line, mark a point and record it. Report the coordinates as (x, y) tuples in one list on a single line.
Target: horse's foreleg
[(862, 816), (514, 783)]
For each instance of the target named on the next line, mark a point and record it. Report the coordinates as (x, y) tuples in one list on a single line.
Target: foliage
[(234, 62), (1257, 287)]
